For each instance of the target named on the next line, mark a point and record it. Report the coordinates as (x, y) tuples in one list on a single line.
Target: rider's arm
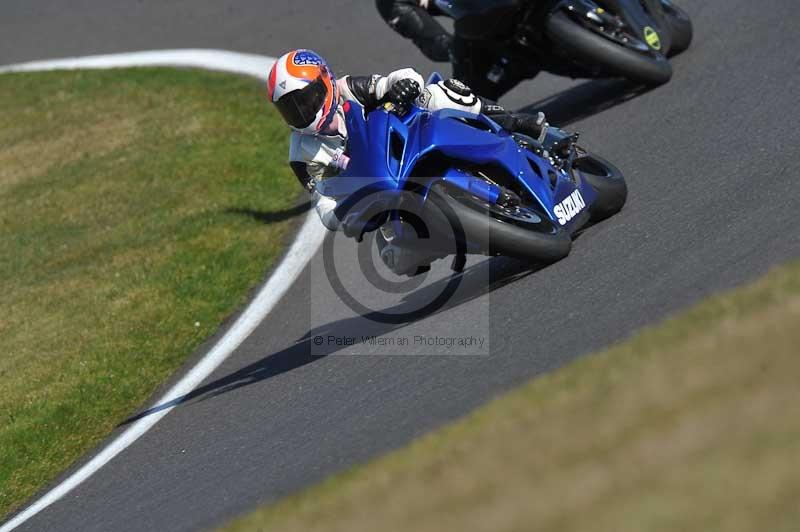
[(361, 89), (499, 114), (412, 19), (368, 90), (528, 124), (452, 94)]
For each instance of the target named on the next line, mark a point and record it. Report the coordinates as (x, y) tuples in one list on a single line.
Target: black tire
[(679, 26), (606, 180), (589, 47), (539, 242)]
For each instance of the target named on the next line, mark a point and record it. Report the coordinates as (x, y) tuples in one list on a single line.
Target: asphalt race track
[(711, 163)]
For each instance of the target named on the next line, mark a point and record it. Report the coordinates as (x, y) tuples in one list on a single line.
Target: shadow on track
[(269, 217), (500, 270), (585, 100)]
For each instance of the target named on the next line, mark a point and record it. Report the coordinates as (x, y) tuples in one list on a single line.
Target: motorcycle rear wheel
[(590, 47)]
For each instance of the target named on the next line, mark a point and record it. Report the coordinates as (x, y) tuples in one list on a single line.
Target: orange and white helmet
[(303, 88)]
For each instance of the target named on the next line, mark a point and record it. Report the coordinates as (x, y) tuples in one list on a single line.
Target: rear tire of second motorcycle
[(589, 47)]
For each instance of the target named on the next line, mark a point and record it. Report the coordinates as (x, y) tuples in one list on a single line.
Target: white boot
[(325, 210)]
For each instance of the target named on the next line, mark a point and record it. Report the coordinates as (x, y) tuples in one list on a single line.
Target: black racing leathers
[(487, 68), (413, 19), (300, 170)]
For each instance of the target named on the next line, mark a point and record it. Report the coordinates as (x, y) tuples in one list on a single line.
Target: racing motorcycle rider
[(303, 88), (486, 64), (413, 19)]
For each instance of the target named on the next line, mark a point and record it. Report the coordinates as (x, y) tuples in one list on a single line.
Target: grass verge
[(693, 424), (137, 209)]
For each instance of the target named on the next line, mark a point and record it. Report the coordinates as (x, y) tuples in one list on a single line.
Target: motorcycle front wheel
[(520, 232), (606, 180)]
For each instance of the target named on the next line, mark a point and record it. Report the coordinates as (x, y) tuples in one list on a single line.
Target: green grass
[(130, 228), (693, 424)]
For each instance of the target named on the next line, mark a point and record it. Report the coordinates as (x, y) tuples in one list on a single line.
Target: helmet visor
[(300, 107)]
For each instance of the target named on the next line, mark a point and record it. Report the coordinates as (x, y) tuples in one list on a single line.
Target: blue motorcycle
[(451, 183)]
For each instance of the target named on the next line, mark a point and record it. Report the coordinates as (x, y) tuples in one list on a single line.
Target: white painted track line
[(248, 64), (305, 245)]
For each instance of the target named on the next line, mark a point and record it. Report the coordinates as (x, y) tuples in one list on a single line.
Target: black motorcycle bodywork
[(575, 38)]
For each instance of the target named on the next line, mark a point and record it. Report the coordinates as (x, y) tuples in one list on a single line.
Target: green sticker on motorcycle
[(652, 38)]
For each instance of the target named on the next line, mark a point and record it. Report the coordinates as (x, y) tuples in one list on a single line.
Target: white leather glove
[(385, 83)]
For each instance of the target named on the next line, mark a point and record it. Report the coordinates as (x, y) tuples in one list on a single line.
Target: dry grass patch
[(29, 158)]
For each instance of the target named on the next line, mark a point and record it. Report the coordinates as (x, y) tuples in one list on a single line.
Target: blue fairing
[(384, 150)]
